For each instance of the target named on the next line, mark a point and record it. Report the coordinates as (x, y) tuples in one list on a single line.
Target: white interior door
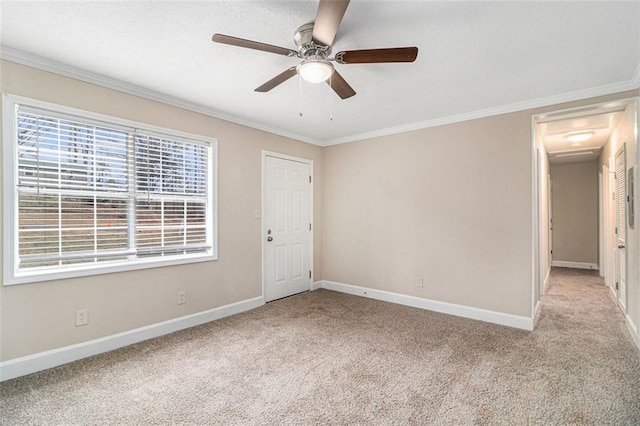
[(612, 228), (621, 228), (287, 227)]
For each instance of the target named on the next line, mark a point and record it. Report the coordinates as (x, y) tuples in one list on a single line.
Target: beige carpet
[(330, 358)]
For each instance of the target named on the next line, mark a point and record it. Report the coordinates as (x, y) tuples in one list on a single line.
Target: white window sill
[(101, 268)]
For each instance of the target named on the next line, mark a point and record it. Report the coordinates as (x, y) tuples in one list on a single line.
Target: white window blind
[(92, 193), (171, 195)]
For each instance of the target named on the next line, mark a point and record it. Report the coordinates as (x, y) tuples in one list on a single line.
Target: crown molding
[(636, 77), (65, 70), (44, 64), (504, 109)]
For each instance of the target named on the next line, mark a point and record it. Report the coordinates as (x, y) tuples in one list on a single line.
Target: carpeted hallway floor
[(329, 358)]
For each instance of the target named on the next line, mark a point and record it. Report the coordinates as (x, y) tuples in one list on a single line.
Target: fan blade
[(328, 19), (277, 80), (249, 44), (372, 56), (340, 86)]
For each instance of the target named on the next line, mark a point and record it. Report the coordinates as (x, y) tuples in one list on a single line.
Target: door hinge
[(309, 274), (616, 230), (616, 285), (309, 178), (309, 227)]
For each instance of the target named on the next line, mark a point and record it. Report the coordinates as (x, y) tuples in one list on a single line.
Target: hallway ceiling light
[(573, 154), (577, 137)]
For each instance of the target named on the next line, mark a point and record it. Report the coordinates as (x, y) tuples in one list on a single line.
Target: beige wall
[(575, 211), (38, 317), (450, 203)]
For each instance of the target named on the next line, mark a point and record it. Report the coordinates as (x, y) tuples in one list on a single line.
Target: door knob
[(620, 245), (269, 238)]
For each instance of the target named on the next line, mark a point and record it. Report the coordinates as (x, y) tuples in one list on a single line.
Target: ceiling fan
[(314, 41)]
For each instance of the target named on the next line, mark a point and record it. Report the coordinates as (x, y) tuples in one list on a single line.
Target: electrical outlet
[(82, 317), (182, 297), (419, 282)]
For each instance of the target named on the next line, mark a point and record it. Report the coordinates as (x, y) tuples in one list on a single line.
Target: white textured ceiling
[(475, 57)]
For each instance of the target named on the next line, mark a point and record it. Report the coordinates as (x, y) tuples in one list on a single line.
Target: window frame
[(10, 209)]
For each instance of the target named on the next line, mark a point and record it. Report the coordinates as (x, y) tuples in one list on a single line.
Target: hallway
[(587, 338)]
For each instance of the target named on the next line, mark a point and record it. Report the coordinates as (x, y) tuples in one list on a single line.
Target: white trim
[(44, 64), (44, 360), (494, 317), (9, 175), (489, 112), (614, 296), (535, 220), (575, 265), (265, 154), (545, 286), (636, 77), (536, 316), (316, 285), (633, 330), (601, 250)]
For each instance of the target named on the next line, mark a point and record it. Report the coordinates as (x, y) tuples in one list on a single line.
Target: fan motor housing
[(303, 37)]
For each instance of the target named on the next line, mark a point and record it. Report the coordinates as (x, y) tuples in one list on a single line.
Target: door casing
[(263, 226)]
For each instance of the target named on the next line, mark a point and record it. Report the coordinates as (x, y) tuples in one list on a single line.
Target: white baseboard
[(524, 323), (633, 330), (576, 265), (316, 285), (41, 361)]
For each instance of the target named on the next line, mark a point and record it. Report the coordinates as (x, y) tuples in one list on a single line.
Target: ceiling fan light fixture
[(315, 70), (578, 137)]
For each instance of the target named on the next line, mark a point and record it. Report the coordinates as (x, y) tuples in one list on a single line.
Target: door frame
[(605, 224), (550, 219), (623, 152), (612, 223), (260, 213)]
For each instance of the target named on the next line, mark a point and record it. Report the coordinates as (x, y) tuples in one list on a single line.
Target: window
[(88, 194)]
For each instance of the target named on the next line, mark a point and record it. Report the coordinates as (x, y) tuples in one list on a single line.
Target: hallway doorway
[(583, 157)]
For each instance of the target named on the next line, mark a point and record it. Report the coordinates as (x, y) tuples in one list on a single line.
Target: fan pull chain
[(330, 98), (300, 95)]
